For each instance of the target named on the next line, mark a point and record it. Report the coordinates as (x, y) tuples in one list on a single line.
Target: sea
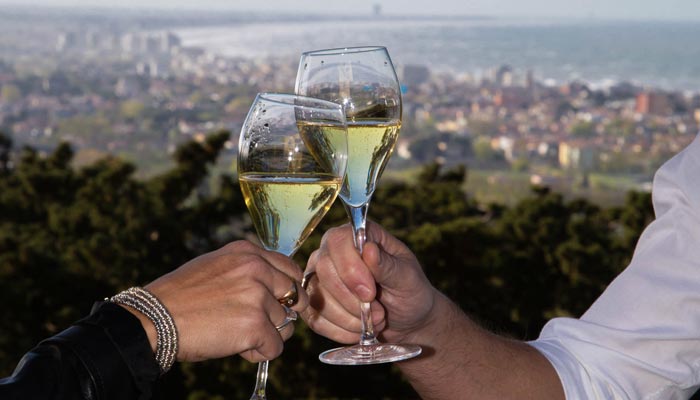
[(662, 54)]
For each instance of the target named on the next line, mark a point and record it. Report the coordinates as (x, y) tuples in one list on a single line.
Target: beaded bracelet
[(146, 303)]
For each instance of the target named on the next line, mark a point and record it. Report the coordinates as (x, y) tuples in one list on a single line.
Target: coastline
[(473, 46)]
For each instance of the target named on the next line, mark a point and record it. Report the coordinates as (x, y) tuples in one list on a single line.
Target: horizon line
[(288, 13)]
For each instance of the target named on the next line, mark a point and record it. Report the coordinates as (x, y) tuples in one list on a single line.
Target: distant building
[(530, 80), (169, 41), (143, 68), (504, 76), (577, 155), (545, 180), (508, 145), (66, 41), (151, 45), (92, 40), (158, 68), (511, 97), (130, 43), (531, 86), (548, 149), (128, 86), (56, 84), (653, 103)]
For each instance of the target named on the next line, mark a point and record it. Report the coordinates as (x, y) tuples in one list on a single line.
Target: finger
[(380, 264), (277, 260), (328, 285), (346, 317), (270, 343), (287, 332), (283, 272), (319, 324), (323, 327), (382, 256), (291, 296), (310, 270), (386, 241), (284, 264), (278, 284), (286, 327), (302, 299), (350, 268), (322, 303), (312, 261)]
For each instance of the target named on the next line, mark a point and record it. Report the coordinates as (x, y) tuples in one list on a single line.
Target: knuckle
[(313, 258), (233, 246), (240, 247), (256, 297), (259, 297), (250, 340), (335, 236), (253, 265)]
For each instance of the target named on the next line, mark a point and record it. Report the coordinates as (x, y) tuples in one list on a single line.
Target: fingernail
[(362, 291)]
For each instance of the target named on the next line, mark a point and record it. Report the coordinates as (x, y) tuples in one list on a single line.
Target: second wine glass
[(291, 164), (364, 81)]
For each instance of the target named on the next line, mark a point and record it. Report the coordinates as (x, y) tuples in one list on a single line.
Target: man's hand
[(387, 274)]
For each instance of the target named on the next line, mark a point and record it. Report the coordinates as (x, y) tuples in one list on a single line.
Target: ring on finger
[(290, 298), (290, 317), (307, 279)]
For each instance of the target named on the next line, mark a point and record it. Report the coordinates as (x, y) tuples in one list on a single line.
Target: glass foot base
[(370, 354)]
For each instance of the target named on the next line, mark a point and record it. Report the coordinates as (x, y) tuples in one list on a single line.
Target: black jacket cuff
[(114, 348)]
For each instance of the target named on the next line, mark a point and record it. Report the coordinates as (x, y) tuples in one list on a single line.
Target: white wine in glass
[(291, 165), (364, 81)]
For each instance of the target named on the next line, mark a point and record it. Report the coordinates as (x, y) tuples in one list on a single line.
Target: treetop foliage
[(70, 236)]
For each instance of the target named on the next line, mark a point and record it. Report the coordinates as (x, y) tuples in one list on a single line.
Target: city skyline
[(621, 9)]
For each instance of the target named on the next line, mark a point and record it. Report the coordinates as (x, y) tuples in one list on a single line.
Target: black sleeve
[(105, 356)]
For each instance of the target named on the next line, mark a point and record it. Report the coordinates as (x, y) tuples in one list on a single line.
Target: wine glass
[(291, 164), (364, 81)]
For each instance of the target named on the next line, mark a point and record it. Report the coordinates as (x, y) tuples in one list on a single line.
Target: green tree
[(69, 236), (620, 127), (5, 148), (483, 150), (85, 125), (483, 127), (583, 129), (131, 109)]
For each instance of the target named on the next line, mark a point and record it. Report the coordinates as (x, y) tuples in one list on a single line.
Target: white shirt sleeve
[(640, 340)]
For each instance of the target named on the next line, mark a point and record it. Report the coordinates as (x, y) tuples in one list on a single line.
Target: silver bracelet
[(146, 303)]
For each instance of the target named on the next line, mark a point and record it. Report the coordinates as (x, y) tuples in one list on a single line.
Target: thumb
[(390, 261), (380, 264)]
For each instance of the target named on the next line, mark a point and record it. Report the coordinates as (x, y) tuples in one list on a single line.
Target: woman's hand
[(226, 302)]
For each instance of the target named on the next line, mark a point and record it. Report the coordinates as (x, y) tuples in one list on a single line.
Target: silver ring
[(289, 318)]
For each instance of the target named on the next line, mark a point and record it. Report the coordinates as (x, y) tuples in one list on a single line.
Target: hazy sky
[(626, 9)]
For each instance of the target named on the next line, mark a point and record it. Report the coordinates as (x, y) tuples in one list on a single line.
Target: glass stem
[(358, 219), (260, 382), (261, 378)]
